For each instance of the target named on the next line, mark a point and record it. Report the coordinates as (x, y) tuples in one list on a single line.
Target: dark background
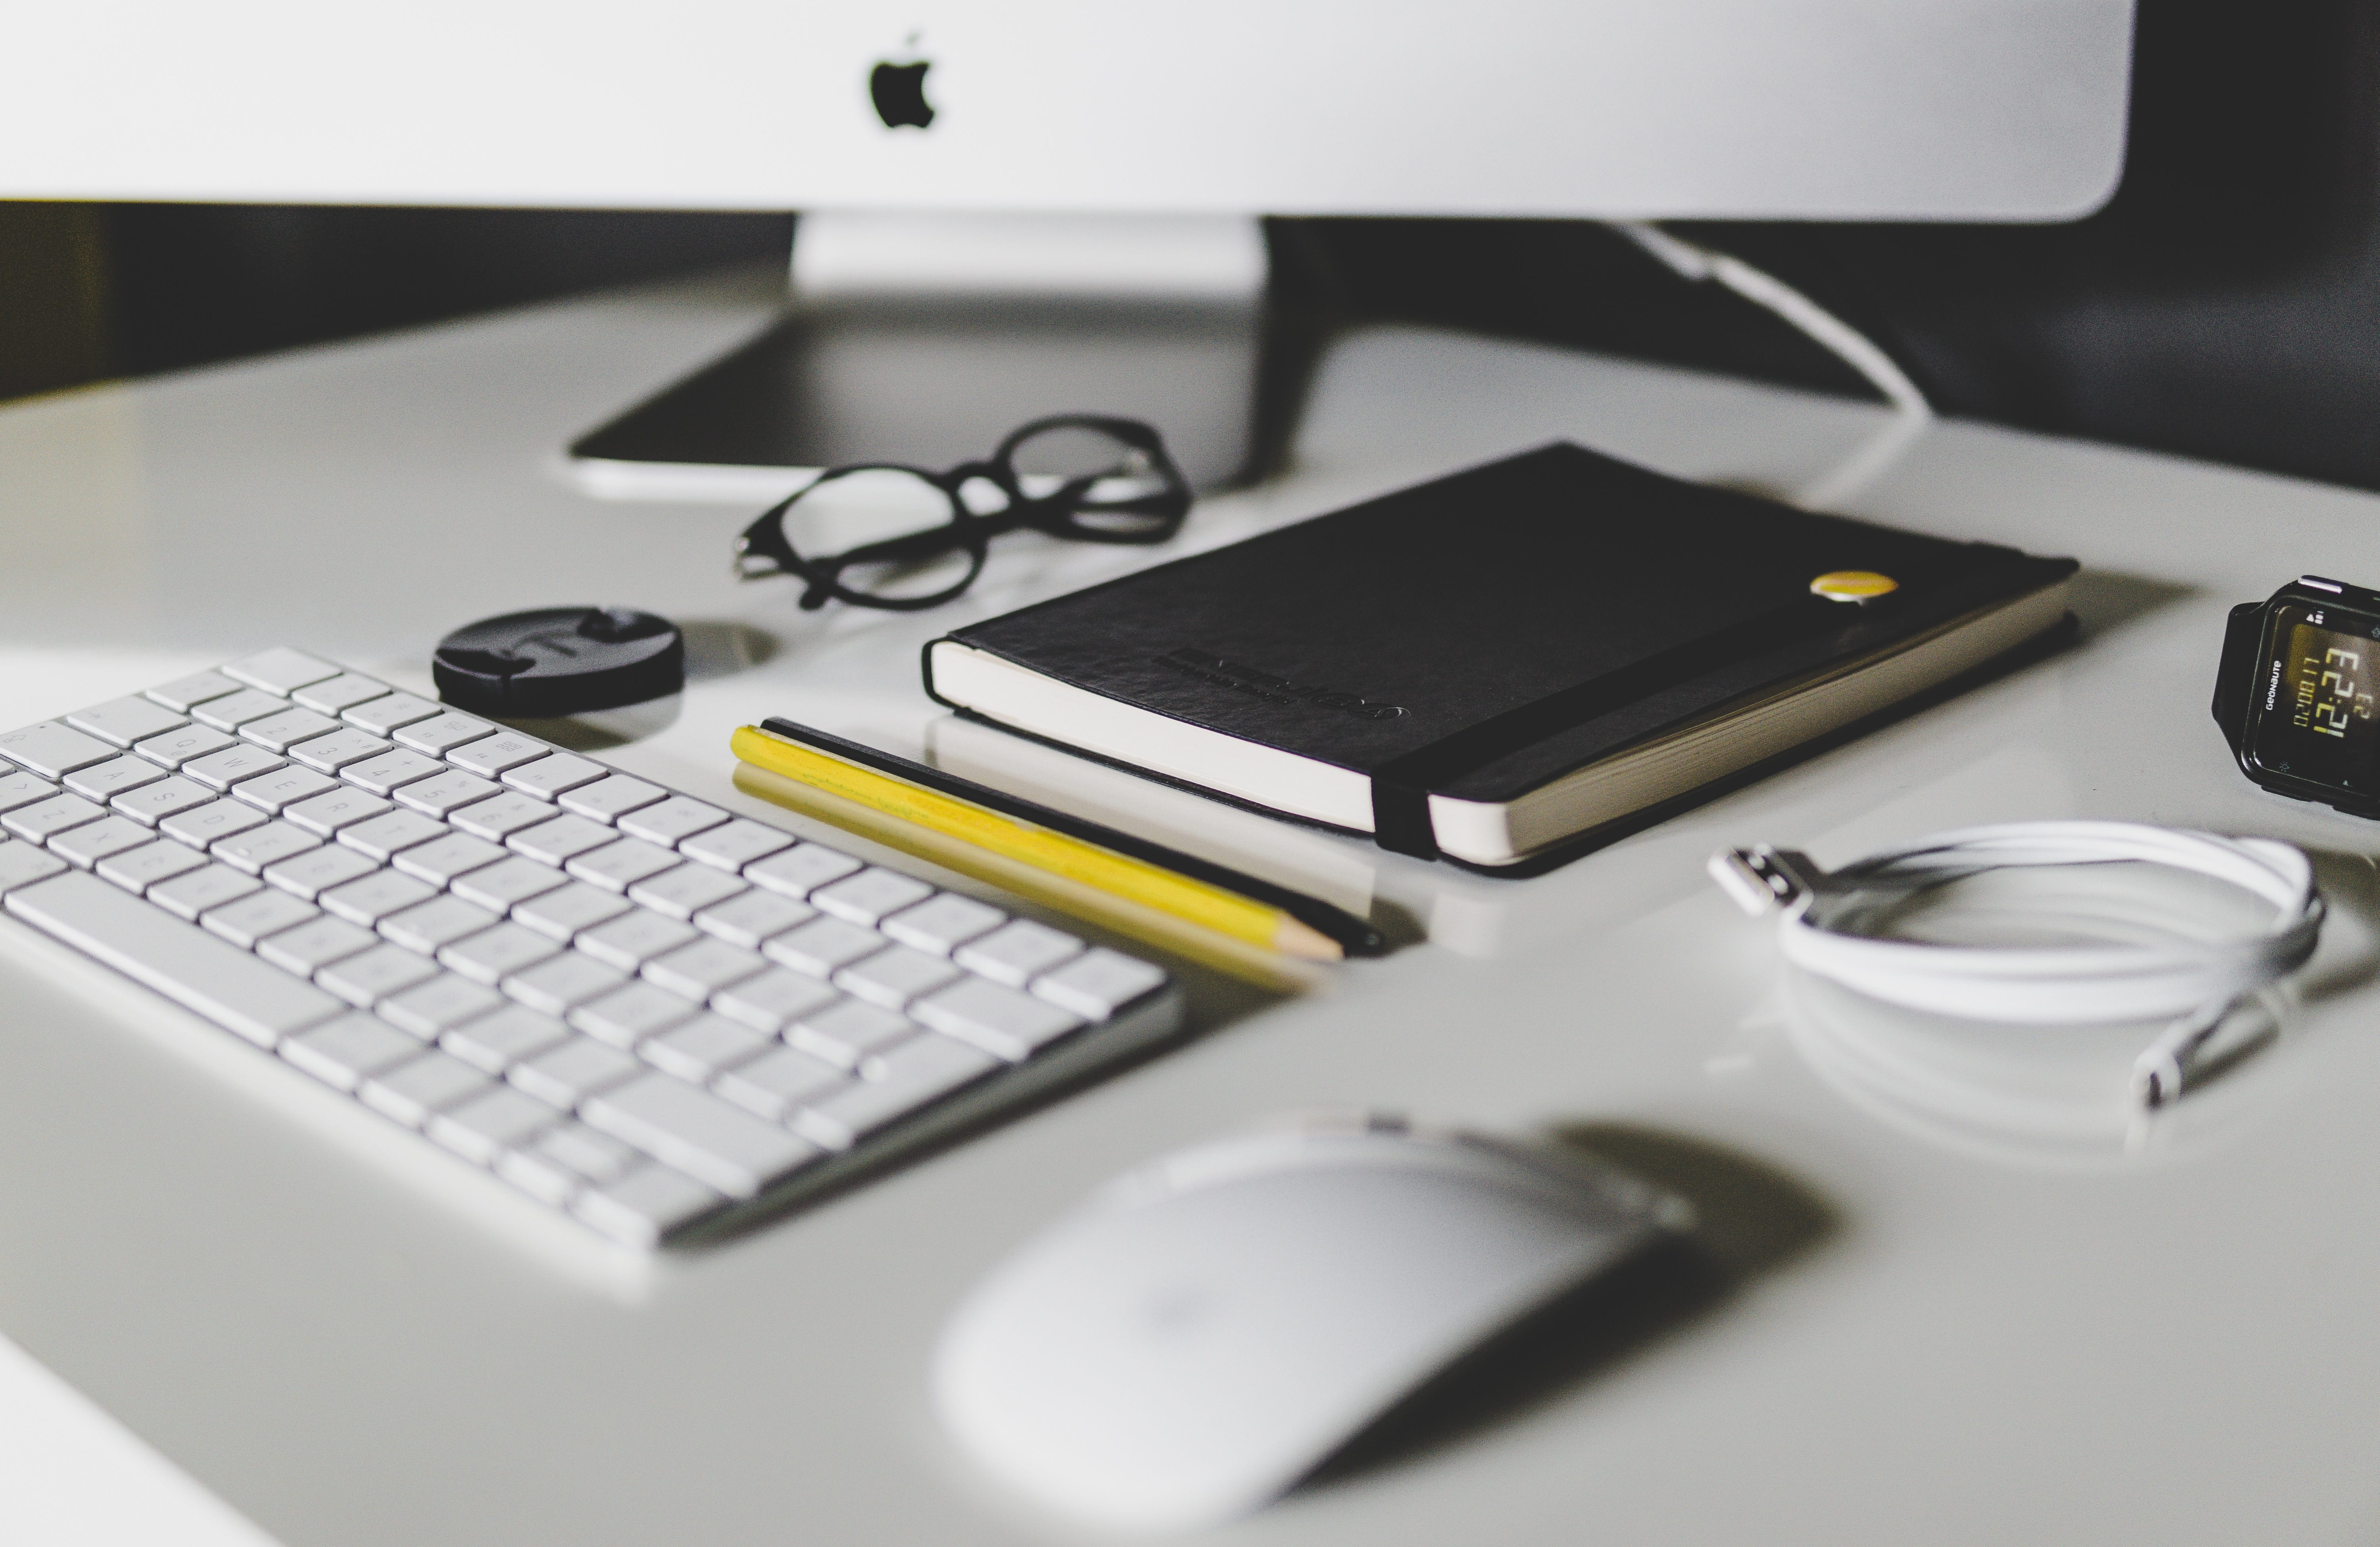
[(2226, 304)]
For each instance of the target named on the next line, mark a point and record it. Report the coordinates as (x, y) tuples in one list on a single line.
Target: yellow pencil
[(1194, 901)]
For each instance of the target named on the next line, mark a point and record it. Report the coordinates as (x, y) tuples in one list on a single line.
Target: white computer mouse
[(1204, 1332)]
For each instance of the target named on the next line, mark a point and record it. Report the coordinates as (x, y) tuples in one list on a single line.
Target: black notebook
[(1498, 663)]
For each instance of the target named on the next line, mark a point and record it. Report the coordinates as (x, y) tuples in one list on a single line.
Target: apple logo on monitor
[(899, 92)]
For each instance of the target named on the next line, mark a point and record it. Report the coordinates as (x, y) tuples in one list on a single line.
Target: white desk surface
[(1957, 1317)]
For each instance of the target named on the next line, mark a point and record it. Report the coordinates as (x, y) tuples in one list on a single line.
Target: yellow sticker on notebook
[(1853, 585)]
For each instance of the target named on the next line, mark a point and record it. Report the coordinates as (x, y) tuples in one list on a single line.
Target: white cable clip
[(2200, 983)]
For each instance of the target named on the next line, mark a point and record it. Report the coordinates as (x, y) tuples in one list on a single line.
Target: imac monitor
[(968, 147)]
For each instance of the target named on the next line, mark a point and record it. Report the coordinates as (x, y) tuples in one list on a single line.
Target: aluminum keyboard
[(634, 1007)]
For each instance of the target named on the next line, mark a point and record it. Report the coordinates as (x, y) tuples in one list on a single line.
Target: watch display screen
[(2315, 718)]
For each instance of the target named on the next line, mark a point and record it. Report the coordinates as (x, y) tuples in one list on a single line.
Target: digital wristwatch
[(2294, 695)]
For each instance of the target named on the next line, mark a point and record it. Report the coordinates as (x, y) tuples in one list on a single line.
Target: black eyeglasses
[(883, 535)]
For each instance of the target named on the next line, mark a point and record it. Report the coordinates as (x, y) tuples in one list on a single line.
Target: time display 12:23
[(2317, 721)]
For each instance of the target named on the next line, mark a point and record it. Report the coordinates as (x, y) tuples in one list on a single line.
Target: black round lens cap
[(560, 660)]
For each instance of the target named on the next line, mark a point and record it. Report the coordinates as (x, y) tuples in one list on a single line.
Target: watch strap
[(2233, 686)]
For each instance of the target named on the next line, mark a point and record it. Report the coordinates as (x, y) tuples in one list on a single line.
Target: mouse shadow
[(1751, 1221)]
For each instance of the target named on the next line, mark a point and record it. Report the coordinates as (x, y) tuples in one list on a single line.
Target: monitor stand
[(924, 339)]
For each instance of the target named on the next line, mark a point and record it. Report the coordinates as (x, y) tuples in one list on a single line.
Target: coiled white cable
[(2198, 982)]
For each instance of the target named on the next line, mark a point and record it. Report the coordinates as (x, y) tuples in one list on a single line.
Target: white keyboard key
[(753, 917), (569, 1155), (504, 1037), (316, 943), (23, 789), (439, 1004), (384, 838), (103, 781), (775, 1084), (1001, 1021), (350, 1050), (368, 977), (822, 946), (489, 756), (280, 669), (308, 874), (176, 747), (559, 838), (1098, 984), (248, 703), (382, 716), (1018, 953), (736, 845), (440, 795), (499, 817), (772, 998), (629, 1014), (561, 913), (685, 891), (869, 896), (38, 821), (943, 925), (551, 775), (411, 1093), (21, 864), (443, 731), (373, 899), (895, 975), (127, 720), (151, 865), (541, 1178), (609, 797), (569, 1073), (591, 1157), (202, 825), (186, 897), (694, 1131), (264, 780), (52, 750), (439, 922), (617, 866), (505, 883), (634, 938), (202, 973), (388, 772), (441, 860), (703, 1047), (187, 692), (86, 845), (849, 1032), (151, 804), (700, 970), (333, 695), (266, 845), (678, 816), (799, 871), (912, 1076), (641, 1209), (335, 750), (492, 955), (333, 809), (257, 916), (280, 732), (486, 1126), (552, 986)]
